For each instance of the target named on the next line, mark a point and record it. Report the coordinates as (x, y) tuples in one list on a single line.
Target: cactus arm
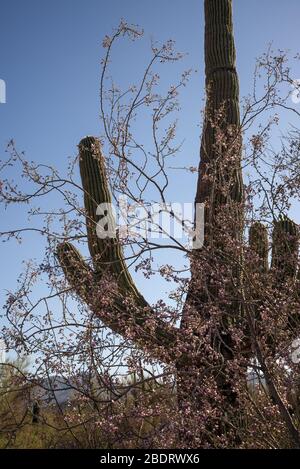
[(77, 272), (285, 257), (145, 328), (285, 262), (259, 245), (285, 248), (127, 311)]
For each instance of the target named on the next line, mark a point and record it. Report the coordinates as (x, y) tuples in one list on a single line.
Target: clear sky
[(50, 54)]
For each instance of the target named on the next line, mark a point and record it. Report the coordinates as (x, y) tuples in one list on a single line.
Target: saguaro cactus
[(135, 314), (220, 187)]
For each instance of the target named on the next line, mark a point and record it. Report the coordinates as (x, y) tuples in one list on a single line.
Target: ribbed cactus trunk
[(220, 182), (222, 88), (220, 188)]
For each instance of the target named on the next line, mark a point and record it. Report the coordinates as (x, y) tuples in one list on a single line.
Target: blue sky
[(50, 55)]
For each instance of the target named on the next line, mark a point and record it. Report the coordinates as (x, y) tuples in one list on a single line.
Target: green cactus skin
[(76, 270), (259, 244), (108, 260), (285, 248), (220, 187), (107, 257), (222, 88), (106, 253), (220, 184)]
